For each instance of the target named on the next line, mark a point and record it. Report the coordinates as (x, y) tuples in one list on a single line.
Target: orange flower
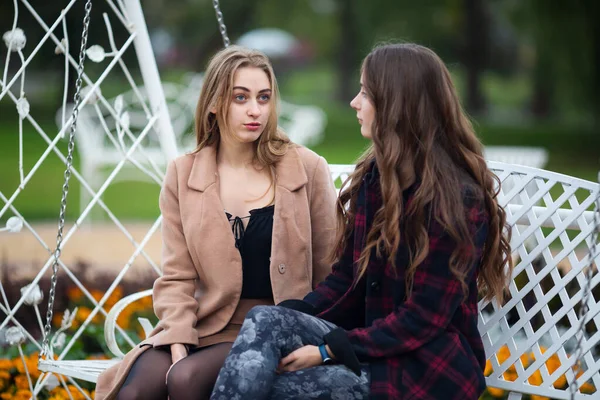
[(536, 397), (83, 313), (76, 394), (97, 357), (74, 294), (536, 378), (21, 382), (146, 303), (498, 393), (587, 388), (57, 319), (124, 319), (488, 368), (552, 364), (503, 354), (6, 364), (23, 394), (96, 294), (510, 376), (115, 296), (525, 360), (140, 332), (6, 396), (59, 391), (31, 364)]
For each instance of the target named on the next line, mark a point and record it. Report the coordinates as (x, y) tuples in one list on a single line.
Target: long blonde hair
[(419, 123), (216, 93)]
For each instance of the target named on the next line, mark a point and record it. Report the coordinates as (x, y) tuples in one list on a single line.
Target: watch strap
[(324, 355)]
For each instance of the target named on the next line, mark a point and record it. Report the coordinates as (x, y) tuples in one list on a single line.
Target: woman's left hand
[(304, 357)]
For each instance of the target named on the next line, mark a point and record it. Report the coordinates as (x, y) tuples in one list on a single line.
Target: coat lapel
[(214, 243), (289, 245)]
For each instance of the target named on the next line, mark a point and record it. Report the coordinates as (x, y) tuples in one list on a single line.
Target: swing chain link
[(221, 21), (67, 175), (587, 291)]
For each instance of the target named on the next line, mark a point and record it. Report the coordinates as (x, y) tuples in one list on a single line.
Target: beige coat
[(200, 288)]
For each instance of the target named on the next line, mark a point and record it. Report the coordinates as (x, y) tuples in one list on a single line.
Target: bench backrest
[(530, 338)]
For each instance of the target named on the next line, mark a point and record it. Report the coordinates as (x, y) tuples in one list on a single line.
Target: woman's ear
[(213, 107)]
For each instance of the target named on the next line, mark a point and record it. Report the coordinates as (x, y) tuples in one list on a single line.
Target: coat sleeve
[(173, 295), (435, 297), (329, 291), (329, 283), (323, 199)]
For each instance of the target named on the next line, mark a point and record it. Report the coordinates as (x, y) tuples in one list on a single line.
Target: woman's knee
[(259, 312), (180, 378), (260, 317), (194, 376), (130, 393)]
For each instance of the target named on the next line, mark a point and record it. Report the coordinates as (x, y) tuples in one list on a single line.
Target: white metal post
[(152, 81)]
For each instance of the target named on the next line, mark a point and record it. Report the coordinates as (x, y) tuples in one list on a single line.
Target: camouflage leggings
[(270, 333)]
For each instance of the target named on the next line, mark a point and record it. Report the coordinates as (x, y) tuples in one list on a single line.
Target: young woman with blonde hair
[(248, 219), (421, 237)]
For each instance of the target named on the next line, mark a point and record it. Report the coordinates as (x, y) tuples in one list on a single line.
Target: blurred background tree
[(528, 72)]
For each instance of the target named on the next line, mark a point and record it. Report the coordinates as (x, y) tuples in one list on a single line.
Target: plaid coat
[(426, 347)]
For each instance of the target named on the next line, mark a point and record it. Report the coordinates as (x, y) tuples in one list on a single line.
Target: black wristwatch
[(324, 354)]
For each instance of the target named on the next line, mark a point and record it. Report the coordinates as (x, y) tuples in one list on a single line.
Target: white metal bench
[(557, 217)]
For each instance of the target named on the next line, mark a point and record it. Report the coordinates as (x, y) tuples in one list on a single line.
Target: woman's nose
[(254, 110), (354, 103)]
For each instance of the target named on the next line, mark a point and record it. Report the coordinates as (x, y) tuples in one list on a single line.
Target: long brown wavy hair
[(216, 93), (421, 134)]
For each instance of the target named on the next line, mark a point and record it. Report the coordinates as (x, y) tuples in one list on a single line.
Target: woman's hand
[(178, 353), (304, 357)]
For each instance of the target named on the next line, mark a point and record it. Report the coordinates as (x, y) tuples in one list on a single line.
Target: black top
[(254, 244)]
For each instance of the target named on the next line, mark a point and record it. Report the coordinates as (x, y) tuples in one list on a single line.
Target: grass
[(40, 198), (573, 151)]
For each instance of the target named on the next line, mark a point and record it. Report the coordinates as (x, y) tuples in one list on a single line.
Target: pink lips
[(253, 126)]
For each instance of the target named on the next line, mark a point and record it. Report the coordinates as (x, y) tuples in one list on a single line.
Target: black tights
[(192, 378)]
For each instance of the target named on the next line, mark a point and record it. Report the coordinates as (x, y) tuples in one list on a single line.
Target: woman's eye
[(264, 97), (240, 97)]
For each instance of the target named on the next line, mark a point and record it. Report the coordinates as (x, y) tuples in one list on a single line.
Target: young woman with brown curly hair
[(421, 238)]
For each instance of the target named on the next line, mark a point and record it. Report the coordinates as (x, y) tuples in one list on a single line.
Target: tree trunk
[(475, 53), (348, 46), (542, 99)]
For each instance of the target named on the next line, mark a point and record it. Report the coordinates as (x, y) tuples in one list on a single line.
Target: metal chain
[(221, 21), (67, 175), (587, 291)]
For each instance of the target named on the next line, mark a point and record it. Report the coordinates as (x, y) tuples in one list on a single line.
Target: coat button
[(282, 268), (375, 286)]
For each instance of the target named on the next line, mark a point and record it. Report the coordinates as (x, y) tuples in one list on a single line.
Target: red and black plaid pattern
[(426, 347)]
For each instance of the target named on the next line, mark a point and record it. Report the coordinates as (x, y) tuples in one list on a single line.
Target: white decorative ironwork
[(154, 123)]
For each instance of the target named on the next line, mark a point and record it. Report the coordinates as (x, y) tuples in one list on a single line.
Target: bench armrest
[(111, 320)]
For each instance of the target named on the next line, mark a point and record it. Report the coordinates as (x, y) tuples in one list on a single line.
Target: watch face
[(328, 361)]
